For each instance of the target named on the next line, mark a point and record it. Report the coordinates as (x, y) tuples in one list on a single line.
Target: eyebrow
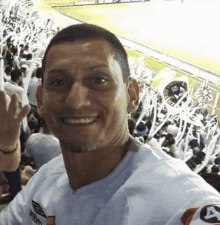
[(56, 71), (96, 66), (89, 68)]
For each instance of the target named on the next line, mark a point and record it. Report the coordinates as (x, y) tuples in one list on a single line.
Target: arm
[(9, 162), (9, 132)]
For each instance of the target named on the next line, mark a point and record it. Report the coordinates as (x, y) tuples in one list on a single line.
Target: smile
[(79, 121)]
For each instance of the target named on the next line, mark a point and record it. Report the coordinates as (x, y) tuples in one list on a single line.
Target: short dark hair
[(16, 74), (89, 32), (28, 56), (8, 70)]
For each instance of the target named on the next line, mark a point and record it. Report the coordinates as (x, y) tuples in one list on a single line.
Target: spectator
[(21, 50), (14, 86), (42, 146), (35, 81), (9, 132), (9, 56), (15, 61), (24, 51), (25, 69), (103, 176), (7, 74), (26, 60)]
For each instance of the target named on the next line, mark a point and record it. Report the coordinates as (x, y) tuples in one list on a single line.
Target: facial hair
[(75, 148)]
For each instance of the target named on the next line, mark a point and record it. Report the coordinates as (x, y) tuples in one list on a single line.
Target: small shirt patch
[(38, 209), (209, 214)]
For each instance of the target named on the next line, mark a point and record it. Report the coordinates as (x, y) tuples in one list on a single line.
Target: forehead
[(90, 51), (83, 54)]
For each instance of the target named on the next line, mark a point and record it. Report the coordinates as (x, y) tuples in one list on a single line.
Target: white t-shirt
[(42, 148), (32, 89), (11, 87), (148, 187), (23, 61), (6, 77), (16, 62)]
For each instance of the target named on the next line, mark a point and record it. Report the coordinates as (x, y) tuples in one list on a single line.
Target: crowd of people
[(23, 39), (186, 132)]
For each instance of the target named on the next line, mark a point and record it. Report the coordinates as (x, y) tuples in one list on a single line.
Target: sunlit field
[(185, 31)]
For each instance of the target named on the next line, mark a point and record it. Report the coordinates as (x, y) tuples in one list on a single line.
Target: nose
[(78, 96)]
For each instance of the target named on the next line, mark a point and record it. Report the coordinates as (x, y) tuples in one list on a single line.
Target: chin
[(79, 147)]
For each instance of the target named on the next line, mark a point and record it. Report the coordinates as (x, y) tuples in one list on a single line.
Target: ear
[(133, 95), (39, 96)]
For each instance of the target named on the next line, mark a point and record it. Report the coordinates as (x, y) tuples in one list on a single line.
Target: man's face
[(84, 98)]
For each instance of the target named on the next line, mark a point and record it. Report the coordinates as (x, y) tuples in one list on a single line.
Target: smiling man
[(104, 176), (85, 101)]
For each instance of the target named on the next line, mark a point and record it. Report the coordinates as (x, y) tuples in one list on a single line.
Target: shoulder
[(40, 138), (48, 173), (54, 166), (50, 181), (7, 83), (151, 155), (33, 138), (153, 164), (160, 182)]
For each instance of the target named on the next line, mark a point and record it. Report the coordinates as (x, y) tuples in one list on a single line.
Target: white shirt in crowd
[(11, 87), (42, 148), (32, 89)]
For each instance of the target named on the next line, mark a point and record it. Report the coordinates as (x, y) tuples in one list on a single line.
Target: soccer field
[(185, 31)]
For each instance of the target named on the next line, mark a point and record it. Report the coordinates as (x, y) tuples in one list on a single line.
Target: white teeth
[(73, 121)]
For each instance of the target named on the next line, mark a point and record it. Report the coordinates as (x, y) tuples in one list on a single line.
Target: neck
[(88, 167)]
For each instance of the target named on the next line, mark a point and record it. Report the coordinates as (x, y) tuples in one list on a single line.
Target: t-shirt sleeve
[(205, 215), (13, 213), (201, 205)]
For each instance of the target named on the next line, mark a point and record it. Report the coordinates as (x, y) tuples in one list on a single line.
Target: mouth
[(79, 121)]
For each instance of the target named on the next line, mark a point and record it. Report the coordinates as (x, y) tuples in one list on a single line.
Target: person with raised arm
[(104, 176), (10, 122)]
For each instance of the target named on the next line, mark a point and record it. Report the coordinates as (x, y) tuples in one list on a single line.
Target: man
[(32, 89), (42, 146), (103, 176), (26, 60), (9, 131), (10, 149), (7, 73), (14, 86)]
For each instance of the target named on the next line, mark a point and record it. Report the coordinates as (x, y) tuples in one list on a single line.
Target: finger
[(13, 105), (3, 102), (25, 110)]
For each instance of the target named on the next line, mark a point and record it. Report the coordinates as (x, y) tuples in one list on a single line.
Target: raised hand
[(10, 121)]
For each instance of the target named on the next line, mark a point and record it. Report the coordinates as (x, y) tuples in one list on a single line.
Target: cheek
[(49, 107), (117, 111)]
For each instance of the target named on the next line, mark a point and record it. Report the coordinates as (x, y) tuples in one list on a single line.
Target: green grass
[(110, 15)]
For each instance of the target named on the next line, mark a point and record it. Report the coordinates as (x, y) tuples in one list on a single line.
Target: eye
[(98, 80), (57, 83)]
